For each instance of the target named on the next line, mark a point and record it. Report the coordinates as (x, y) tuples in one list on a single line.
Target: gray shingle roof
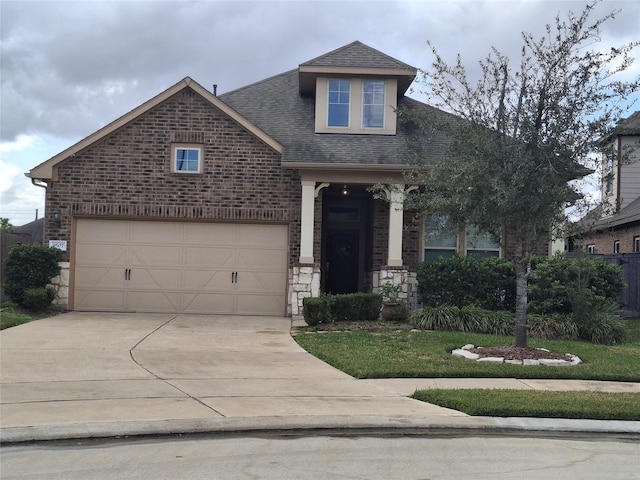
[(357, 54), (629, 214), (276, 106)]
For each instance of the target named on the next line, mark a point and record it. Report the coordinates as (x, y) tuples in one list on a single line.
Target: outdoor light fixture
[(345, 190), (56, 217)]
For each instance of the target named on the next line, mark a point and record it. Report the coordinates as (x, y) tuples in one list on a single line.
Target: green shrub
[(38, 299), (601, 325), (399, 312), (28, 267), (438, 318), (572, 285), (315, 311), (552, 326), (460, 281), (335, 308), (479, 320)]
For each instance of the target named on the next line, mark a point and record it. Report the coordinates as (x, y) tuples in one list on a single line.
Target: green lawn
[(406, 353), (428, 354), (526, 403), (11, 315)]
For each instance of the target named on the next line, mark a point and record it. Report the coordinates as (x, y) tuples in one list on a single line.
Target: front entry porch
[(350, 242)]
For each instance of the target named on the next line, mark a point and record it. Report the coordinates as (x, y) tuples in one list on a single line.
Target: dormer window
[(339, 93), (356, 105)]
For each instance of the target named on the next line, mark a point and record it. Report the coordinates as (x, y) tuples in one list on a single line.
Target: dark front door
[(342, 266)]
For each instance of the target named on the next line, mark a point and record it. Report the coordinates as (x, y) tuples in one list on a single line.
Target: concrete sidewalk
[(100, 375)]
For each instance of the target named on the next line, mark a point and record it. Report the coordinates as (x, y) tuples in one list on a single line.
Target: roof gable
[(355, 58), (48, 169)]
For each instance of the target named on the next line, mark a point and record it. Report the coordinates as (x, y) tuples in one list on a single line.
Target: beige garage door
[(137, 266)]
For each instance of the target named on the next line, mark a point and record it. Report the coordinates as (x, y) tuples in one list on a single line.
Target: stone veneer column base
[(398, 276), (60, 284), (304, 281)]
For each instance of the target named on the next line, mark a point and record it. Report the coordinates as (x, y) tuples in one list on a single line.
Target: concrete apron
[(95, 374)]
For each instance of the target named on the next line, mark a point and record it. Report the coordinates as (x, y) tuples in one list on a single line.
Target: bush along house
[(248, 202)]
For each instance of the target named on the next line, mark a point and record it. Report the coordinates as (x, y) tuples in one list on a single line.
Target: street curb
[(322, 425)]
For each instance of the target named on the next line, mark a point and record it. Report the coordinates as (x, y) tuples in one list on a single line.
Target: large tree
[(525, 128)]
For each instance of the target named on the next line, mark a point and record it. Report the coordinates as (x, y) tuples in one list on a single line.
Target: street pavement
[(79, 375)]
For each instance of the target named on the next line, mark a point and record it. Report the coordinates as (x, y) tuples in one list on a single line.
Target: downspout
[(619, 175), (34, 181)]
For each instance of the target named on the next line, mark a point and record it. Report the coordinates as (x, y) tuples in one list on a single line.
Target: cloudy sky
[(70, 67)]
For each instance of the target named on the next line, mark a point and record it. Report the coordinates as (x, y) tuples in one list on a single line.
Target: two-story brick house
[(250, 201), (619, 231)]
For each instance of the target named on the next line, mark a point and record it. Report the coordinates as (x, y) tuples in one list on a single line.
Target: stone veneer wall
[(304, 281), (399, 276), (60, 284)]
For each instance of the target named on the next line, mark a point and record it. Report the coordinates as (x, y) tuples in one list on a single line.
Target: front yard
[(397, 351)]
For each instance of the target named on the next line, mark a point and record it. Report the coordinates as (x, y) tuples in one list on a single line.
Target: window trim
[(591, 249), (636, 244), (340, 92), (356, 83), (462, 242), (186, 146), (616, 246), (380, 105)]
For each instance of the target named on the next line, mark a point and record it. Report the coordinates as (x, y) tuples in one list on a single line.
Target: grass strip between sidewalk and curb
[(540, 404)]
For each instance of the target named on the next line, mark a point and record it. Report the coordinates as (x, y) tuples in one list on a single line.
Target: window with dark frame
[(616, 246), (636, 244)]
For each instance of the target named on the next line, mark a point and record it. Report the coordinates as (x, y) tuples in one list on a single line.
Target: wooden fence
[(630, 297)]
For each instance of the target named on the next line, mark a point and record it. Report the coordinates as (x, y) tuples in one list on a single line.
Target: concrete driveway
[(97, 374)]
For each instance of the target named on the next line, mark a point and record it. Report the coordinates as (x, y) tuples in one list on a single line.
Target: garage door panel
[(260, 282), (208, 280), (265, 259), (154, 255), (221, 257), (152, 301), (101, 277), (162, 278), (100, 254), (268, 304), (180, 267), (203, 234), (262, 236), (102, 300), (160, 233), (93, 231)]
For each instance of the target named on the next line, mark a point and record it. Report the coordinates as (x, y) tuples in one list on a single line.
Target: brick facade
[(604, 241), (128, 174)]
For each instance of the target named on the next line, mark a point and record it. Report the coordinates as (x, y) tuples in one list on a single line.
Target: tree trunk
[(521, 302)]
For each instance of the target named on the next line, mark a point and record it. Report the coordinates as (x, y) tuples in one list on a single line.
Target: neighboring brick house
[(248, 202), (618, 232)]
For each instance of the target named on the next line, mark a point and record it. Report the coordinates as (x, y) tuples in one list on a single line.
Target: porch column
[(396, 199), (306, 222)]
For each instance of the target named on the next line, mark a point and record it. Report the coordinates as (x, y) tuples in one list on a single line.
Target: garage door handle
[(127, 274), (234, 277)]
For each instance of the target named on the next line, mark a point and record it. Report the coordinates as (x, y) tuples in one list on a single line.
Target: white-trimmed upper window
[(339, 103), (373, 104), (186, 159), (362, 106)]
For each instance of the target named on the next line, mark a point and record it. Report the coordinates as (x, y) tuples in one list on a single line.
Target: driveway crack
[(133, 357)]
